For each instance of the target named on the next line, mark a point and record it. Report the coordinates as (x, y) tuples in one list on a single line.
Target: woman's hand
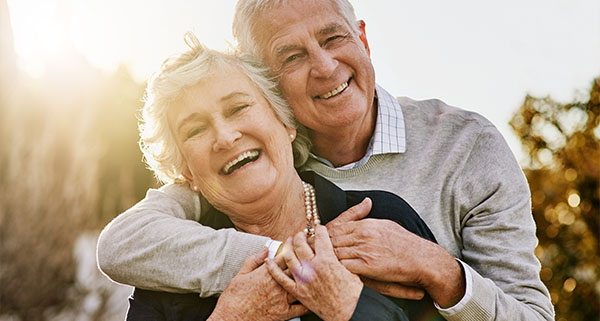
[(253, 295), (320, 282)]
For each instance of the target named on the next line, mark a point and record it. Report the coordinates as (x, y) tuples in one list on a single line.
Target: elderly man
[(452, 166)]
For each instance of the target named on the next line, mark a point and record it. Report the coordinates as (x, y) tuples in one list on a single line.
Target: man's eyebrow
[(331, 28), (284, 49)]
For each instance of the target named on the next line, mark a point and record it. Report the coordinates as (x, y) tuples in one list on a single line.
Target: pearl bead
[(312, 213)]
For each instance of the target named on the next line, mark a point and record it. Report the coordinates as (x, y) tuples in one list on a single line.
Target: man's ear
[(363, 36)]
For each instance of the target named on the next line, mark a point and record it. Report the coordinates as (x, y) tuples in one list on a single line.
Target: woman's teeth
[(240, 161), (336, 91)]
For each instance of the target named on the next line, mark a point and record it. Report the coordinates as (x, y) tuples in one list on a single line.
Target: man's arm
[(498, 238), (159, 245)]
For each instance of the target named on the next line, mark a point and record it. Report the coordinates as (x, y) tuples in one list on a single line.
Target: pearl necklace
[(312, 212)]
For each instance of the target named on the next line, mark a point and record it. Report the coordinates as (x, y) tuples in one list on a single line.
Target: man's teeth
[(335, 91), (227, 169)]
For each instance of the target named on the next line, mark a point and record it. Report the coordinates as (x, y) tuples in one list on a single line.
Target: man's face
[(324, 70)]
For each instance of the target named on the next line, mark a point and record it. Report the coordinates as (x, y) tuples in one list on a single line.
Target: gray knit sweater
[(457, 173)]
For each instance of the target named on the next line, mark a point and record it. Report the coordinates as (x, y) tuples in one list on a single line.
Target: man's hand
[(355, 213), (384, 251), (253, 295)]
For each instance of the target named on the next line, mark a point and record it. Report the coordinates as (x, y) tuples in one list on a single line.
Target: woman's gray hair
[(246, 11), (179, 72)]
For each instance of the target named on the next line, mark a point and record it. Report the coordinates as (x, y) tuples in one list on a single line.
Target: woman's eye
[(196, 131), (237, 109)]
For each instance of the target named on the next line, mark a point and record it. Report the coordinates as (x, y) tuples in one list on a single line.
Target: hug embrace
[(296, 187)]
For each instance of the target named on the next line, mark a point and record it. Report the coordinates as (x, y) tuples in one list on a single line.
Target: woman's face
[(234, 146)]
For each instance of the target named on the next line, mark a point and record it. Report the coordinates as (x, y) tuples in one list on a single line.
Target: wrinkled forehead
[(294, 19)]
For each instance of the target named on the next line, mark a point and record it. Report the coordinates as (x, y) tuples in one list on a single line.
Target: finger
[(342, 228), (296, 310), (356, 212), (291, 298), (280, 261), (356, 266), (283, 280), (254, 261), (344, 240), (301, 247), (322, 242), (311, 243), (289, 256), (346, 252), (395, 289)]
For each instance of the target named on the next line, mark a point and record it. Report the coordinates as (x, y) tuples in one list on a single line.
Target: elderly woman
[(216, 122)]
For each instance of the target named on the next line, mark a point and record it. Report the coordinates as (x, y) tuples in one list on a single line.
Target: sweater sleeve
[(498, 236), (159, 245)]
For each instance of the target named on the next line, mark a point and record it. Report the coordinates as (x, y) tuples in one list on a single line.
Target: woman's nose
[(323, 63), (225, 137)]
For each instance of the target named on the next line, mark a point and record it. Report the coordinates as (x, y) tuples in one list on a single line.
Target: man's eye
[(291, 58), (334, 39)]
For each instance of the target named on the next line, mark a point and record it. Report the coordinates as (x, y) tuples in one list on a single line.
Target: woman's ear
[(363, 36), (187, 174), (291, 133)]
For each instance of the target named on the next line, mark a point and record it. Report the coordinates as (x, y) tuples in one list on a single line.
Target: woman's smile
[(241, 161)]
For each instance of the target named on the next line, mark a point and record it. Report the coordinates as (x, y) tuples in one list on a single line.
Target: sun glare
[(39, 33)]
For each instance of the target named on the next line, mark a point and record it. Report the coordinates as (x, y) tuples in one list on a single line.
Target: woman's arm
[(158, 245)]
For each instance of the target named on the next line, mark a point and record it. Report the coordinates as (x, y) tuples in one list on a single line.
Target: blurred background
[(73, 74)]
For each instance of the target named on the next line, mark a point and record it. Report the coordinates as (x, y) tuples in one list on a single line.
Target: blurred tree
[(69, 163), (563, 170)]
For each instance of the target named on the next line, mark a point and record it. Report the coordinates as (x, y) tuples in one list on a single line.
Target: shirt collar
[(389, 136)]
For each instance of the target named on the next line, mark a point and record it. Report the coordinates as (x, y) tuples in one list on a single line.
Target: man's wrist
[(448, 283), (468, 292)]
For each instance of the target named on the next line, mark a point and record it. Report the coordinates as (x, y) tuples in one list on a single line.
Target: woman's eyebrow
[(234, 94), (189, 118)]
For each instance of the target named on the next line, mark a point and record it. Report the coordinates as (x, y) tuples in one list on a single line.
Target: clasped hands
[(298, 280), (322, 273)]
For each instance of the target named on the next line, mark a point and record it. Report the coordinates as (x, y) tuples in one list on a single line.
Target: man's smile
[(339, 89)]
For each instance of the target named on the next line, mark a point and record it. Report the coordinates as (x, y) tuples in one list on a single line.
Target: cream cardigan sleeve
[(159, 245)]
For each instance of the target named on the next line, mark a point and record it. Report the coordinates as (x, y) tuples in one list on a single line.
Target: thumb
[(355, 213), (254, 261)]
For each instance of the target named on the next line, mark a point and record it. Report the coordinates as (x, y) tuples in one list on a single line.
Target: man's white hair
[(246, 11), (177, 73)]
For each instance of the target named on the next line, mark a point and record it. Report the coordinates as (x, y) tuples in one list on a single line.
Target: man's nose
[(225, 136), (323, 63)]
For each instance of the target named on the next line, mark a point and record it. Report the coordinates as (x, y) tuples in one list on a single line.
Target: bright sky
[(483, 56)]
